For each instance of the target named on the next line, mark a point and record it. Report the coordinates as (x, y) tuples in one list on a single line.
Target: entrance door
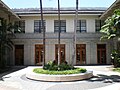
[(19, 54), (101, 53), (39, 54), (80, 54), (62, 52)]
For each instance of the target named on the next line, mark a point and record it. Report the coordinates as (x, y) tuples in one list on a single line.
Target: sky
[(53, 3)]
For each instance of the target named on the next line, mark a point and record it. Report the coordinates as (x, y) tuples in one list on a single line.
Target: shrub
[(115, 56), (64, 66), (48, 66), (53, 69), (51, 65)]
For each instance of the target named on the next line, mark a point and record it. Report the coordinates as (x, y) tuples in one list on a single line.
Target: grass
[(64, 72), (116, 69)]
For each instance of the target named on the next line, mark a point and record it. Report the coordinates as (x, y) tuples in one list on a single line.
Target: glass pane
[(101, 53), (38, 26), (78, 56), (98, 54), (81, 54), (62, 26), (83, 23), (62, 52), (81, 26), (38, 54)]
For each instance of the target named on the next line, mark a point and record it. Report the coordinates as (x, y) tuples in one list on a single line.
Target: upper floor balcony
[(70, 35)]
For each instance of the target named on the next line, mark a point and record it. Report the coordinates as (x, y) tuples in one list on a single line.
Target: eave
[(110, 10), (5, 9)]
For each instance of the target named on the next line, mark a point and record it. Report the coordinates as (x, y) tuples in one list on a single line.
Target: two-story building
[(89, 49)]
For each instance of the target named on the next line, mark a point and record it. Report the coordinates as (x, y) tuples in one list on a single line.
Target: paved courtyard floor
[(103, 79)]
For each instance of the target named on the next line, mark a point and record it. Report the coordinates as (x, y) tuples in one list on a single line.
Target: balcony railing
[(55, 35)]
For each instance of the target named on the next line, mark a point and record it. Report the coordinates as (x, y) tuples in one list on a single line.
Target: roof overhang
[(110, 10), (63, 14), (5, 9), (63, 11)]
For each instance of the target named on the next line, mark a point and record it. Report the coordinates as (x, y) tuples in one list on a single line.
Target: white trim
[(9, 10)]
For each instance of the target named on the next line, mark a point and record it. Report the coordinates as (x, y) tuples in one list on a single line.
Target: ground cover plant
[(116, 69), (52, 68)]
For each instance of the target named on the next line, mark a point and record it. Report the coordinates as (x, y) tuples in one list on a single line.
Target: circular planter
[(59, 78)]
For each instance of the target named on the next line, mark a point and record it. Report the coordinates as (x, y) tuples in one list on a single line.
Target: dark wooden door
[(19, 54), (101, 54), (62, 52), (38, 54), (80, 54)]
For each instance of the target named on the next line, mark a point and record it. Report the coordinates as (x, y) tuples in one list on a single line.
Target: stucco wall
[(91, 50), (91, 39), (29, 22)]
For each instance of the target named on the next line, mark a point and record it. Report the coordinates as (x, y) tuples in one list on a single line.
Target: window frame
[(81, 26), (20, 24), (62, 26), (39, 26), (98, 24)]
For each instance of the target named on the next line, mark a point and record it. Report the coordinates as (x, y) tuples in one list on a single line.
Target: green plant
[(64, 66), (115, 56), (116, 69), (111, 28), (53, 66), (50, 66), (6, 33), (63, 72)]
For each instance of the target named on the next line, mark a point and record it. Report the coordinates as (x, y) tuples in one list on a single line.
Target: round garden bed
[(58, 78)]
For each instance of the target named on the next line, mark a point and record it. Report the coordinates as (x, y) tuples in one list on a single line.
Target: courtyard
[(104, 78), (67, 35)]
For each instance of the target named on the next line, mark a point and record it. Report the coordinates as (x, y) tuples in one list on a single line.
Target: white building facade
[(89, 49)]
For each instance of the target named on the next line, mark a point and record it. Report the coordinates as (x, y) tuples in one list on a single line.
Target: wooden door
[(101, 54), (19, 54), (38, 54), (62, 52), (80, 54)]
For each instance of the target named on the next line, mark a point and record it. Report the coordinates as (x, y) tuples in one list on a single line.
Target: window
[(81, 26), (98, 25), (20, 24), (38, 26), (62, 26)]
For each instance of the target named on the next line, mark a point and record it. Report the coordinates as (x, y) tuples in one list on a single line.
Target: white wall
[(29, 22)]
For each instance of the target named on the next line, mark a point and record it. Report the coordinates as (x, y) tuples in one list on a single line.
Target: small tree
[(111, 29), (6, 33), (115, 56)]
